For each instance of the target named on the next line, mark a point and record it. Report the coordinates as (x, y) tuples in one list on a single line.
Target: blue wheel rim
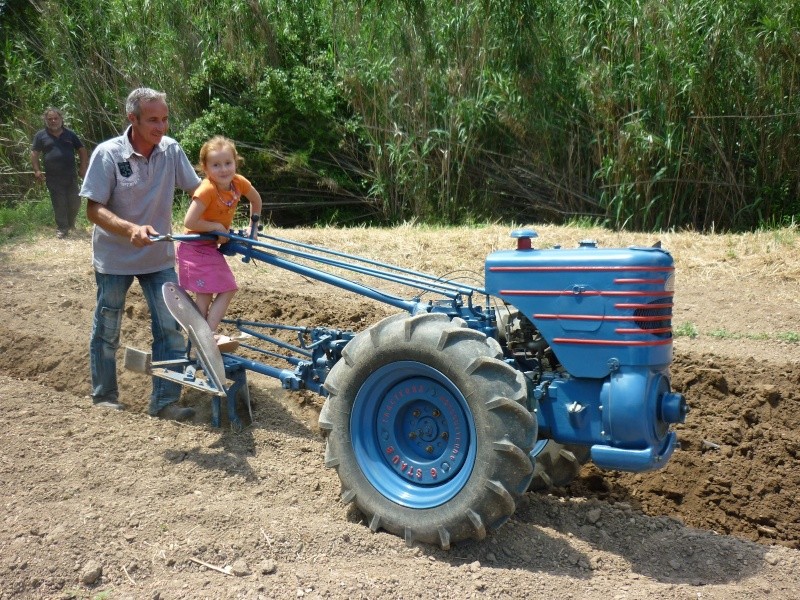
[(413, 434)]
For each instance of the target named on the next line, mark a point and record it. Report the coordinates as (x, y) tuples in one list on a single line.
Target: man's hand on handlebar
[(141, 236)]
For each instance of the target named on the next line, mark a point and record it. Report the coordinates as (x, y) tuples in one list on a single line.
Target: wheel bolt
[(445, 435), (416, 413), (429, 449), (412, 435), (436, 412)]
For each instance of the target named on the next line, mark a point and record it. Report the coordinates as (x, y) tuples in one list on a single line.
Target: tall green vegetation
[(433, 85), (645, 114), (692, 109)]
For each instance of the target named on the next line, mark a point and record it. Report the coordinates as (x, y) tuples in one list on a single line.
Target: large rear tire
[(428, 430)]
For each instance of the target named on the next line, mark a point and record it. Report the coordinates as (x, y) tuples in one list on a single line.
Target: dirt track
[(152, 502)]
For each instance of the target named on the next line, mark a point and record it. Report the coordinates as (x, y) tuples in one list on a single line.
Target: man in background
[(59, 145), (130, 186)]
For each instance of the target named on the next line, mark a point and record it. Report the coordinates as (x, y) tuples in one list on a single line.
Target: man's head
[(53, 119), (139, 96), (149, 117)]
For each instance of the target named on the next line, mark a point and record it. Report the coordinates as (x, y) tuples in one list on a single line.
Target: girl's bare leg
[(218, 308), (203, 301)]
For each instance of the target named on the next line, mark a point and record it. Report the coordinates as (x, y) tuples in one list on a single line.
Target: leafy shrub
[(235, 122)]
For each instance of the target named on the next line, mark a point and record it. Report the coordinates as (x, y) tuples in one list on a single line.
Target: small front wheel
[(557, 465)]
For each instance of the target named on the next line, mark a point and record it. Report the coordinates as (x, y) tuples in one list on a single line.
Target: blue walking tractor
[(440, 417)]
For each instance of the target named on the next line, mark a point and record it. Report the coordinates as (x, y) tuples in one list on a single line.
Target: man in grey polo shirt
[(130, 185)]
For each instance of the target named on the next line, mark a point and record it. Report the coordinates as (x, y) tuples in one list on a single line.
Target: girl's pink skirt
[(203, 269)]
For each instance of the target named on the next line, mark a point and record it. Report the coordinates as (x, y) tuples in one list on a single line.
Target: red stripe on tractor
[(642, 281), (580, 269), (602, 318), (661, 293), (644, 306), (640, 331), (611, 342)]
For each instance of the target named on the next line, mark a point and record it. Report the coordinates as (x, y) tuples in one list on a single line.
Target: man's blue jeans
[(168, 341)]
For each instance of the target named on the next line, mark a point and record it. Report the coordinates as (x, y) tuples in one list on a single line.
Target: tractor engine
[(591, 328)]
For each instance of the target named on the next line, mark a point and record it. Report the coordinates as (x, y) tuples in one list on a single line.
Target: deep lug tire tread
[(496, 395), (557, 465)]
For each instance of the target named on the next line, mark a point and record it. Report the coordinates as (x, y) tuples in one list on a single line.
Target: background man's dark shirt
[(58, 152)]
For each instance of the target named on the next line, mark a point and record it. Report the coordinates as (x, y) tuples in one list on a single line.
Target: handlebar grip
[(189, 237)]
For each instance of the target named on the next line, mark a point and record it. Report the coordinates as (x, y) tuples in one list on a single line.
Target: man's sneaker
[(176, 413), (61, 234), (110, 405)]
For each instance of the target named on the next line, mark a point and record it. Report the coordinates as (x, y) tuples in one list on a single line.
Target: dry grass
[(773, 253), (732, 289)]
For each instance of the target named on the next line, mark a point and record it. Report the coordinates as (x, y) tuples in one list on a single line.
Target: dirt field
[(100, 504)]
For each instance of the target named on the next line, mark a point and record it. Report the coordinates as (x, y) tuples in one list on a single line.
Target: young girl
[(202, 269)]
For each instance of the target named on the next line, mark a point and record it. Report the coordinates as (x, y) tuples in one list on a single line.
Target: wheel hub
[(412, 434), (422, 428)]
